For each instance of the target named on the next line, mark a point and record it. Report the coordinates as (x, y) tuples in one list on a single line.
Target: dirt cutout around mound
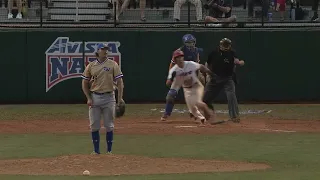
[(105, 165)]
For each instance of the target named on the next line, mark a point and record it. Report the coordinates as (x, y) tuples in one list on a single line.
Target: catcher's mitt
[(120, 109)]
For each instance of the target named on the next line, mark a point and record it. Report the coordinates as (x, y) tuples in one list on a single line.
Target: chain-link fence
[(156, 13)]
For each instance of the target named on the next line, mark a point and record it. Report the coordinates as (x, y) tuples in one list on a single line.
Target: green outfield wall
[(44, 66)]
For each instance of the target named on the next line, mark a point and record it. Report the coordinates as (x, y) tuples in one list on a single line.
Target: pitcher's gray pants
[(103, 107)]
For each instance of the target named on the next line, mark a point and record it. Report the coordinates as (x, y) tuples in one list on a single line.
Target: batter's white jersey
[(186, 76), (192, 87)]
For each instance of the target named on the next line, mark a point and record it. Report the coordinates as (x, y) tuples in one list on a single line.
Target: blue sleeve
[(200, 50)]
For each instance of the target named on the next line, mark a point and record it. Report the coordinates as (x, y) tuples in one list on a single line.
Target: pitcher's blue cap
[(102, 45)]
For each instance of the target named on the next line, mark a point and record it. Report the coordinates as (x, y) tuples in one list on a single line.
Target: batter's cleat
[(164, 117), (192, 116), (235, 120), (94, 153), (202, 122), (109, 153)]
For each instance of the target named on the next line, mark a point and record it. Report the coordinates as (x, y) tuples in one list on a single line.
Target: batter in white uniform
[(183, 73)]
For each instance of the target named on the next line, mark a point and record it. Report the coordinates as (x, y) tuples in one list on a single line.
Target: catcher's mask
[(189, 41), (225, 44), (120, 109)]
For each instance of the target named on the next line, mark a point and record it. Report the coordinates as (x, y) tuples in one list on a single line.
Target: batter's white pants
[(176, 86), (179, 3), (193, 96)]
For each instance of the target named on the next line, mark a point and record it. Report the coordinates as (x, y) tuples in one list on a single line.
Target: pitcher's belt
[(97, 93)]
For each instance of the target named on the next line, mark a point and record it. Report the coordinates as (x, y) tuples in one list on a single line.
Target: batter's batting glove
[(120, 109)]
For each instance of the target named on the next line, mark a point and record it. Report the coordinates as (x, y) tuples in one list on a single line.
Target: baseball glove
[(120, 109)]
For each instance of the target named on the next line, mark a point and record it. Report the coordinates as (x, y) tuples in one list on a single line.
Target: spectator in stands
[(219, 11), (179, 3), (10, 6), (281, 7), (122, 6), (315, 10), (265, 7)]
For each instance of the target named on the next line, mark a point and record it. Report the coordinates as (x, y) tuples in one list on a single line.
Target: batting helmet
[(120, 109), (178, 53)]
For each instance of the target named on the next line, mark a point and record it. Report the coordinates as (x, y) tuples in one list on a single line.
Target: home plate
[(185, 126)]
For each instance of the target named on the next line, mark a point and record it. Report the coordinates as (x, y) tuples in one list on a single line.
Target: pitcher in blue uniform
[(191, 53)]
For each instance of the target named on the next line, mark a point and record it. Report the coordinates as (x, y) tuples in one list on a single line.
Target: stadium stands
[(100, 10)]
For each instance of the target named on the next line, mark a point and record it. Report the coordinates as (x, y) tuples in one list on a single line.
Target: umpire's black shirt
[(221, 63)]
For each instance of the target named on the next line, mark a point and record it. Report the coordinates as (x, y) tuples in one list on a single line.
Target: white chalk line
[(273, 130), (262, 129), (186, 126), (114, 127), (265, 129)]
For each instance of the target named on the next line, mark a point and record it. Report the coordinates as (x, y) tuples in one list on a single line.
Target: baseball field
[(53, 142)]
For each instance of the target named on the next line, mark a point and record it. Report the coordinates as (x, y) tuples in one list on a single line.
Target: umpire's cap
[(225, 43)]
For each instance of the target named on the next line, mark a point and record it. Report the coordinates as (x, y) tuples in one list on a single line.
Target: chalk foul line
[(273, 130)]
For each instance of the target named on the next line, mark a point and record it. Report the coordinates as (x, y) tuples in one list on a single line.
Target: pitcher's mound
[(104, 165)]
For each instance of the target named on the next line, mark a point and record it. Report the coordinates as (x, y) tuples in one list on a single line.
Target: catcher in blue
[(184, 73), (103, 73), (191, 53)]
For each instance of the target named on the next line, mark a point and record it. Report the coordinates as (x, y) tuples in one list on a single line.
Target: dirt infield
[(119, 165), (153, 126), (76, 164)]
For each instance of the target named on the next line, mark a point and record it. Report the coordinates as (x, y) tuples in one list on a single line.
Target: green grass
[(293, 156), (288, 154), (70, 112)]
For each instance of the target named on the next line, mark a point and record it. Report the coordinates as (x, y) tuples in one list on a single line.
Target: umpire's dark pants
[(213, 88)]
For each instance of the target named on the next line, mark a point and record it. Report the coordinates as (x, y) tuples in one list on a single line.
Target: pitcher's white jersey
[(186, 76)]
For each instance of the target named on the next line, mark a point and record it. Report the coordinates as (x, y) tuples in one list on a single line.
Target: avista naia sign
[(64, 59)]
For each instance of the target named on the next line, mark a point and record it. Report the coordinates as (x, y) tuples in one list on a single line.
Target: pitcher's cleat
[(94, 153), (164, 117), (235, 120)]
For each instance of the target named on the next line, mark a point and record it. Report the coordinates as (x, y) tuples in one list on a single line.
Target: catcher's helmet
[(188, 38), (177, 53), (225, 44), (189, 41), (120, 109)]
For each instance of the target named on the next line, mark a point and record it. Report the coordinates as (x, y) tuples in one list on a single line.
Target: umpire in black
[(222, 61)]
